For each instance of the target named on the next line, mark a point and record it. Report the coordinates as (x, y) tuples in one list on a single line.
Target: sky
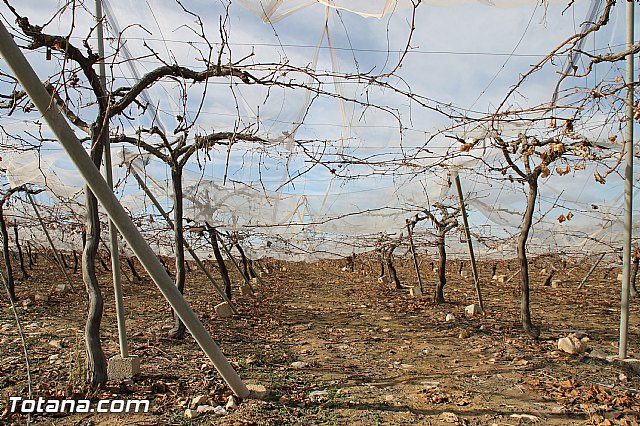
[(466, 54)]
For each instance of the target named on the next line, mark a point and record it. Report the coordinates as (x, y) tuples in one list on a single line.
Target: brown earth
[(374, 354)]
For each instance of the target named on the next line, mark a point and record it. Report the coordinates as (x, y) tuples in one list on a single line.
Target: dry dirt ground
[(373, 354)]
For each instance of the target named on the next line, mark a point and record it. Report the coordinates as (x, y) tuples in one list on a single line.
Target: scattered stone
[(499, 278), (254, 280), (389, 398), (299, 365), (386, 330), (556, 283), (56, 344), (623, 377), (190, 414), (571, 345), (223, 310), (415, 291), (528, 417), (448, 417), (464, 274), (257, 391), (472, 310), (200, 400), (317, 395), (220, 411), (231, 403), (383, 280), (39, 297), (619, 278), (205, 409), (464, 334), (27, 302), (450, 318), (62, 288)]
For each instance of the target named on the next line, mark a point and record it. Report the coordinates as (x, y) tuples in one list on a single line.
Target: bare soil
[(373, 354)]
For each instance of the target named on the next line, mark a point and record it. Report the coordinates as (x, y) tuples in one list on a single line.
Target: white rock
[(472, 310), (62, 288), (529, 417), (464, 274), (220, 411), (231, 403), (257, 391), (450, 318), (200, 400), (190, 414), (205, 408), (556, 283), (571, 345), (41, 297), (299, 365), (56, 344), (27, 302), (317, 395)]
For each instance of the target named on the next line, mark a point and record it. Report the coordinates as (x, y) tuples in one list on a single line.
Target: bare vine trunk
[(7, 256), (438, 296), (525, 308), (178, 331), (224, 273), (634, 275), (25, 275), (96, 361)]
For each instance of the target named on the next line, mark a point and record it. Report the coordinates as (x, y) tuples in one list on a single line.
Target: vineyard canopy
[(370, 141)]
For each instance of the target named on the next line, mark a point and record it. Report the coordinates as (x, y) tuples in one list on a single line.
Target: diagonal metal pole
[(628, 192), (467, 233), (33, 86), (108, 174), (192, 252), (593, 268)]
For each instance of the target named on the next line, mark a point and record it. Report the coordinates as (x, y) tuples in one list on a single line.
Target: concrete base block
[(223, 310), (633, 363), (415, 291), (119, 368), (245, 290)]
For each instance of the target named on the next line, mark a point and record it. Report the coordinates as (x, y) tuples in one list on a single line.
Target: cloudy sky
[(463, 54)]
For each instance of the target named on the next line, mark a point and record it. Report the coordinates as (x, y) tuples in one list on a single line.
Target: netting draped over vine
[(340, 166)]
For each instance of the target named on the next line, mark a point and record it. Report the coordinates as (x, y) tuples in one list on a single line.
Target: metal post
[(41, 98), (467, 234), (593, 268), (628, 192), (192, 252), (113, 233), (415, 258), (56, 255)]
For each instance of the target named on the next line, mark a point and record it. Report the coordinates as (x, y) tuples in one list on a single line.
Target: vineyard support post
[(628, 191), (467, 233)]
